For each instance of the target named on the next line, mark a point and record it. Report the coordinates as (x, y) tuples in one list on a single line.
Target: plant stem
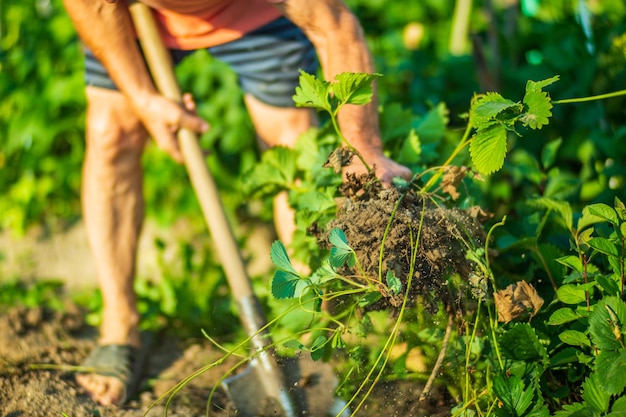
[(333, 118), (382, 244), (591, 98), (462, 144), (440, 358)]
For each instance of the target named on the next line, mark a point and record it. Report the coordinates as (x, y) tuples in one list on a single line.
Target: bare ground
[(33, 339)]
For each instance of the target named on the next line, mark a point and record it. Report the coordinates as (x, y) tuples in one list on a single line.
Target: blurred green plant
[(16, 292)]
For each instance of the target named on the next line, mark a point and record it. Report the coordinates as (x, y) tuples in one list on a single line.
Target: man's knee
[(113, 130), (279, 125)]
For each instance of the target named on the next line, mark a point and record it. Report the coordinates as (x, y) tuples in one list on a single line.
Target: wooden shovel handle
[(160, 64)]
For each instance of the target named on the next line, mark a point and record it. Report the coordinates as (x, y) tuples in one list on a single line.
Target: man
[(266, 42)]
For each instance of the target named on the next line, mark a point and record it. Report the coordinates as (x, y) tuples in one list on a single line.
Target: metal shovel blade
[(311, 385)]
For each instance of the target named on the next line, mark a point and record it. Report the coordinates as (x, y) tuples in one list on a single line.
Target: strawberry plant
[(508, 367)]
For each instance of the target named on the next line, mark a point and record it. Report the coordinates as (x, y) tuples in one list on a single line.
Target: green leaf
[(279, 257), (604, 246), (369, 299), (411, 149), (574, 338), (603, 211), (573, 294), (611, 369), (393, 283), (294, 344), (317, 348), (512, 394), (588, 219), (521, 343), (576, 410), (606, 323), (338, 239), (432, 127), (485, 108), (354, 88), (548, 153), (287, 285), (619, 405), (593, 394), (610, 284), (562, 316), (572, 262), (312, 92), (538, 85), (538, 104), (561, 208), (488, 148), (276, 171), (341, 252)]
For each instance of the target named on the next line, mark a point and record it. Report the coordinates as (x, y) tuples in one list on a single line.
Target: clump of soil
[(399, 222)]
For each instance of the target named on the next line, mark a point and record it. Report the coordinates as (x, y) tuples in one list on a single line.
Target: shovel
[(268, 386)]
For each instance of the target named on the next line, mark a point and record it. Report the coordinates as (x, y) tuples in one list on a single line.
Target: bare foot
[(104, 390), (113, 357)]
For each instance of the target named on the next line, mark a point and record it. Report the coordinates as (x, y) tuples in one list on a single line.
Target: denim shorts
[(267, 62)]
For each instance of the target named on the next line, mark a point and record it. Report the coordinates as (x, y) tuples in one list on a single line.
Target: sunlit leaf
[(486, 107), (562, 316), (354, 88), (574, 338), (432, 126), (572, 262), (573, 294), (538, 103), (611, 368), (603, 211), (312, 92), (606, 323), (488, 149), (604, 246), (411, 149)]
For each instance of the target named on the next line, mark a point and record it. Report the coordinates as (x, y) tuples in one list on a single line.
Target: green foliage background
[(549, 175), (42, 106)]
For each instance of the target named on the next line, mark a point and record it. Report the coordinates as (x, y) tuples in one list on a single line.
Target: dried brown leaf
[(452, 178), (516, 300), (339, 158)]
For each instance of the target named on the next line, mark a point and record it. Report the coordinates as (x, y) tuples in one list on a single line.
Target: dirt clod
[(398, 224)]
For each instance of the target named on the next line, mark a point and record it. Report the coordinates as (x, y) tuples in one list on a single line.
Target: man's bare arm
[(341, 47), (106, 28)]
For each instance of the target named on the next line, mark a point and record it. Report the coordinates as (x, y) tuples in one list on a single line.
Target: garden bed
[(30, 338)]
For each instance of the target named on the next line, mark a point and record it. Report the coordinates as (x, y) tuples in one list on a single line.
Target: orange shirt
[(196, 24)]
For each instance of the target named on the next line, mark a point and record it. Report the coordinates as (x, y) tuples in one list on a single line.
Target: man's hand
[(163, 118), (385, 168)]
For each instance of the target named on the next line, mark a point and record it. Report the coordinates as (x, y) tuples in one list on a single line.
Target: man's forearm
[(106, 29), (341, 47)]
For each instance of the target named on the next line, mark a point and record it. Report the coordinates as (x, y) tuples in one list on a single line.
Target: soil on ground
[(36, 345)]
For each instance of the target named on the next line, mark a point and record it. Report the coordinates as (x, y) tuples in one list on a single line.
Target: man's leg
[(113, 212), (280, 126)]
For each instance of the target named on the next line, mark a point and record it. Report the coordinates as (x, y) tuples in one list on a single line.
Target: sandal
[(117, 361)]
